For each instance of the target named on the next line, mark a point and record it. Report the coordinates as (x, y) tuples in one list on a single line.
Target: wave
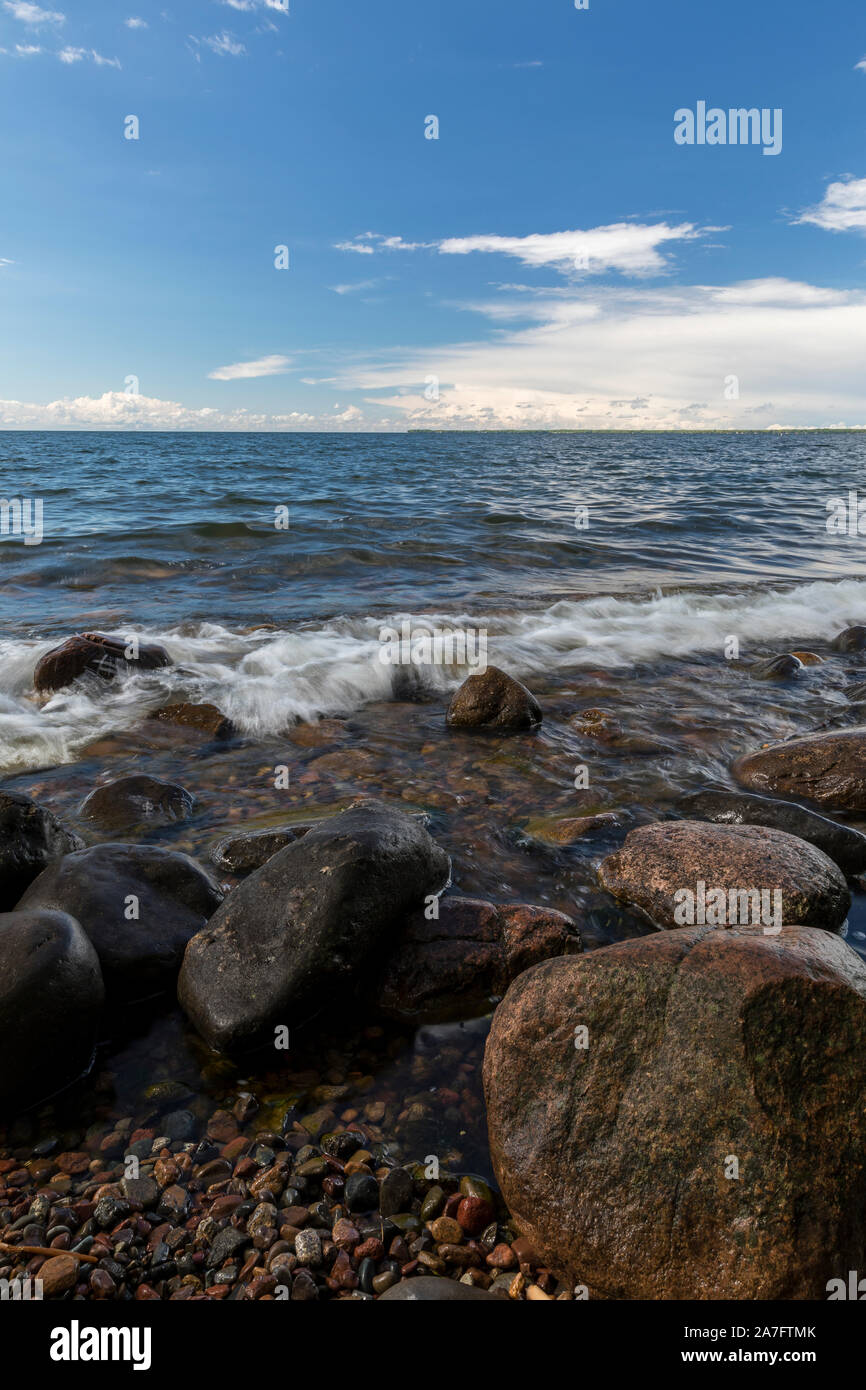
[(267, 678)]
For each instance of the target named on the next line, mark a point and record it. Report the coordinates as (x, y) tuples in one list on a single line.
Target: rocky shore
[(677, 1115)]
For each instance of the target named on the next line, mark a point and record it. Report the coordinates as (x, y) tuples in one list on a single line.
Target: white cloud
[(245, 371), (135, 23), (356, 287), (72, 55), (282, 6), (632, 248), (861, 66), (26, 50), (636, 358), (115, 410), (842, 209), (225, 44), (32, 14)]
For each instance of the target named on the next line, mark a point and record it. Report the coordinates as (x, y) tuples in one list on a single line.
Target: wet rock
[(395, 1192), (776, 668), (828, 769), (568, 830), (51, 995), (206, 718), (226, 1243), (808, 658), (242, 854), (139, 905), (30, 837), (429, 1288), (447, 967), (710, 1053), (362, 1192), (841, 843), (659, 862), (129, 801), (493, 700), (58, 1275), (852, 639), (96, 654), (296, 932)]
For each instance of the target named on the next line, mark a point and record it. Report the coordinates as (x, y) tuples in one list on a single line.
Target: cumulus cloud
[(244, 371), (757, 354), (842, 209), (115, 410), (32, 14)]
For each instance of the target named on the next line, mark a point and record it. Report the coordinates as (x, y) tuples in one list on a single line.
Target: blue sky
[(554, 259)]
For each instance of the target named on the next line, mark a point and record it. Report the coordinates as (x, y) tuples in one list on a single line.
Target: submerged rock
[(681, 1116), (206, 718), (568, 830), (30, 837), (828, 769), (242, 854), (51, 994), (493, 700), (453, 966), (659, 863), (138, 905), (841, 843), (776, 668), (94, 653), (431, 1288), (295, 933), (852, 639), (129, 801)]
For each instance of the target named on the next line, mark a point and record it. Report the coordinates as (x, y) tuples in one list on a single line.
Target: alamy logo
[(76, 1343), (846, 515), (22, 516), (731, 907), (855, 1289), (737, 126), (21, 1290), (438, 646)]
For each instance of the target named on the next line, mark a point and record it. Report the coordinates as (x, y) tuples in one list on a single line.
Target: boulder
[(776, 668), (140, 800), (295, 933), (51, 994), (828, 769), (456, 965), (841, 843), (30, 837), (138, 905), (206, 718), (94, 653), (493, 700), (681, 1116), (852, 639), (659, 863), (241, 854)]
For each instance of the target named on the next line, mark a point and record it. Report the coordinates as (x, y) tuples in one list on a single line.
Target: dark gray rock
[(429, 1288), (226, 1243), (841, 843), (51, 994), (30, 837), (776, 668), (242, 854), (104, 885), (129, 801), (852, 639), (493, 700), (294, 934)]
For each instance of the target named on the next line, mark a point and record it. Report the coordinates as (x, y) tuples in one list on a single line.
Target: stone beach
[(316, 1039)]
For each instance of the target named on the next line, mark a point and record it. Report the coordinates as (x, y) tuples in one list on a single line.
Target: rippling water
[(689, 540)]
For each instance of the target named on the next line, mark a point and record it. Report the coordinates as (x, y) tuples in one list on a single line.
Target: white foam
[(265, 680)]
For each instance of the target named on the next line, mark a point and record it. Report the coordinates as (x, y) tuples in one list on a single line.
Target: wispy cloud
[(78, 55), (632, 248), (842, 209), (27, 50), (861, 66), (247, 6), (244, 371), (116, 410), (356, 287), (225, 44), (32, 14), (135, 23)]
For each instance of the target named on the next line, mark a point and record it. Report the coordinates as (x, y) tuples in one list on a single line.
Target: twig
[(47, 1250)]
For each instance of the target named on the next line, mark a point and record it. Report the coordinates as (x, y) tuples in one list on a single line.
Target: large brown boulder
[(493, 700), (456, 965), (95, 653), (705, 1137), (828, 769), (743, 866)]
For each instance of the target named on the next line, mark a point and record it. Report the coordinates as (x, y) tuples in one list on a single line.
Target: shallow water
[(691, 540)]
